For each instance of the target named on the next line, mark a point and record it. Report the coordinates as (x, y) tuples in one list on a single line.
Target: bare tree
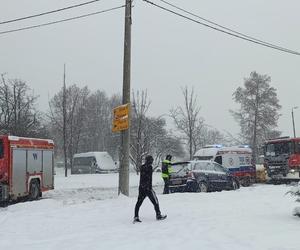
[(139, 123), (18, 115), (148, 134), (165, 144), (212, 136), (232, 139), (188, 121), (113, 140), (88, 121), (69, 106), (97, 126), (259, 110)]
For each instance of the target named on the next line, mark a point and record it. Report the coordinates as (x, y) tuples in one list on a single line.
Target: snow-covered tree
[(208, 136), (295, 191), (97, 133), (259, 110), (188, 121)]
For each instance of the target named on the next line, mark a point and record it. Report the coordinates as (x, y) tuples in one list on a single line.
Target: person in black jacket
[(145, 190)]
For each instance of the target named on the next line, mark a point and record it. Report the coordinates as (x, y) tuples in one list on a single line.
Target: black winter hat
[(169, 157), (149, 159)]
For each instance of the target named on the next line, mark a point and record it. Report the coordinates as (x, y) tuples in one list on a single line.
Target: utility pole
[(125, 134), (64, 123), (294, 122)]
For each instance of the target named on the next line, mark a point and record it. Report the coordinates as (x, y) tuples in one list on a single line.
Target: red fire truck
[(26, 167), (282, 157)]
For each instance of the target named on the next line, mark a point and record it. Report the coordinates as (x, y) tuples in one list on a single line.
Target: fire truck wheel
[(34, 192)]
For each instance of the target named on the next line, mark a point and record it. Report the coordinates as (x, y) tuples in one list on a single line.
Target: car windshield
[(203, 166), (86, 162), (297, 147), (180, 167), (219, 168), (273, 149)]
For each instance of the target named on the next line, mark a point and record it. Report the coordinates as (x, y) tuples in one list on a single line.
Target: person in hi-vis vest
[(166, 170)]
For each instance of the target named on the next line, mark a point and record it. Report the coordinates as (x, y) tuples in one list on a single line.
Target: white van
[(237, 159), (92, 163)]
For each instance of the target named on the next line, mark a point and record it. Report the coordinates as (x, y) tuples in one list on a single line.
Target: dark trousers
[(166, 187), (143, 193)]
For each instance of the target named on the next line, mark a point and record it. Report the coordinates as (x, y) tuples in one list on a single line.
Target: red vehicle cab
[(282, 156), (26, 167)]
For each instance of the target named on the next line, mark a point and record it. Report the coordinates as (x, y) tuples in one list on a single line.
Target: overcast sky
[(167, 52)]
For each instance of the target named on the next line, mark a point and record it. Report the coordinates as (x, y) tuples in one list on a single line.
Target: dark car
[(202, 176)]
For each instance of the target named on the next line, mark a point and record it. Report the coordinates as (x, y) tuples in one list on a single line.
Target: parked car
[(202, 176), (237, 159), (93, 163)]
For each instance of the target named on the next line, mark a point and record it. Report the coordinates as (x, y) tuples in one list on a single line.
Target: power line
[(256, 41), (237, 34), (48, 12), (218, 25), (60, 21)]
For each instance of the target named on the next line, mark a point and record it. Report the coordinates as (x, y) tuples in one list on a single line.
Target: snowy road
[(84, 212), (85, 188)]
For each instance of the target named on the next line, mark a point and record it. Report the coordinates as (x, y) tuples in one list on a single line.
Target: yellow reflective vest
[(166, 169)]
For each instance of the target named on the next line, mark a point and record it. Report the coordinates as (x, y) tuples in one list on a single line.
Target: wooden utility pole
[(294, 123), (125, 135), (64, 123)]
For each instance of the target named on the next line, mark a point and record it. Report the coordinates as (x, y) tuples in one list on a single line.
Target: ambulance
[(237, 159)]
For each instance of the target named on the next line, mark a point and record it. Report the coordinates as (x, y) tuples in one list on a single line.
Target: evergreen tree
[(259, 110)]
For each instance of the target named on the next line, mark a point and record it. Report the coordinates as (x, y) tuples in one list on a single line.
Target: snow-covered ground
[(85, 212)]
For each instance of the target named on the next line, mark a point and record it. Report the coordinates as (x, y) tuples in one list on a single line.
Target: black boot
[(161, 217), (136, 219)]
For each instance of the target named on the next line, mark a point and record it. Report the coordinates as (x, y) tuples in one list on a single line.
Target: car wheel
[(246, 182), (203, 188)]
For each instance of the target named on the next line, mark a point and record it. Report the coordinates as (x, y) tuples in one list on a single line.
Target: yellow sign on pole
[(121, 111), (121, 118)]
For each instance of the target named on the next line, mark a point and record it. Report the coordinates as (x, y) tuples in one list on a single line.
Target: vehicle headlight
[(292, 170)]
